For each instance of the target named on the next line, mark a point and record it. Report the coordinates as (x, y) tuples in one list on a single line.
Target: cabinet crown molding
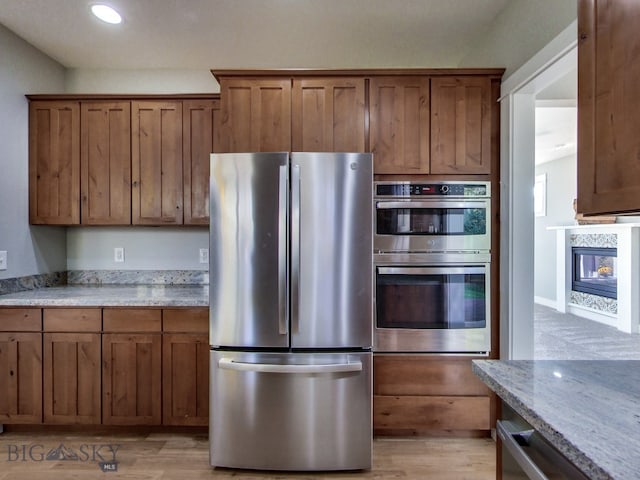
[(370, 72)]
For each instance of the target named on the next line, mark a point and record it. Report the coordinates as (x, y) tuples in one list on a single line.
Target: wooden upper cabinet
[(608, 114), (156, 162), (399, 124), (54, 162), (328, 115), (201, 137), (105, 155), (461, 125), (256, 114)]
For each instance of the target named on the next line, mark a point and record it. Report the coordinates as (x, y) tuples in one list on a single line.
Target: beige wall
[(522, 29), (140, 81), (23, 69)]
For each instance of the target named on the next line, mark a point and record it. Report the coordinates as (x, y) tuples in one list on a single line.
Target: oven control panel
[(441, 189)]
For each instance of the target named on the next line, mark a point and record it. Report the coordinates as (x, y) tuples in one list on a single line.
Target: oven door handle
[(382, 205), (430, 270)]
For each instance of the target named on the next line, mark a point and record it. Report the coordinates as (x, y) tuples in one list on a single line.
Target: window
[(540, 195)]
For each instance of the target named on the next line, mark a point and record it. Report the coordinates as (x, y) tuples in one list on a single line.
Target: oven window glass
[(441, 301), (431, 221)]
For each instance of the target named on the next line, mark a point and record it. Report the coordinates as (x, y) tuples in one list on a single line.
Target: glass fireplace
[(595, 271)]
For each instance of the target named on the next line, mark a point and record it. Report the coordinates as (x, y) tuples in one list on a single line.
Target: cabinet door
[(105, 155), (72, 378), (185, 366), (608, 114), (461, 125), (399, 124), (328, 115), (156, 160), (54, 162), (185, 379), (131, 379), (201, 120), (256, 114), (20, 377)]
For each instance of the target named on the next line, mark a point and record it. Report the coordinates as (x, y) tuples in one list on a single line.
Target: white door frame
[(517, 172)]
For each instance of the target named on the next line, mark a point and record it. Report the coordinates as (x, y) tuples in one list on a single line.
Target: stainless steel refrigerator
[(291, 311)]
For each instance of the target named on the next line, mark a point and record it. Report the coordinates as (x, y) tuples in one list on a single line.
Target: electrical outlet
[(3, 260), (118, 254), (204, 255)]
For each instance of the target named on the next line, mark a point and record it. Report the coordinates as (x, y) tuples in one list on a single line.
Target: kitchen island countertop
[(111, 296), (588, 410)]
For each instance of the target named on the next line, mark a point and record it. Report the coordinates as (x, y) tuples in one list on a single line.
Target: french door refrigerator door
[(331, 250), (284, 411), (248, 260)]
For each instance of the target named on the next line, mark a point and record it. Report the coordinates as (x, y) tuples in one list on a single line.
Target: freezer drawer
[(291, 411)]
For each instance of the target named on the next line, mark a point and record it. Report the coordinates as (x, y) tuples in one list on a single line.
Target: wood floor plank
[(185, 456)]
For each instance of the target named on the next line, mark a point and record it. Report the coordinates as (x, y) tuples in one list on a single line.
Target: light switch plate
[(118, 254), (3, 260)]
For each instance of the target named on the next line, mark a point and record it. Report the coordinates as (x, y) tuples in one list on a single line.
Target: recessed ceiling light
[(106, 13)]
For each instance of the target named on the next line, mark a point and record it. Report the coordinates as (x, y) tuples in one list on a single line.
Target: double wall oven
[(432, 250)]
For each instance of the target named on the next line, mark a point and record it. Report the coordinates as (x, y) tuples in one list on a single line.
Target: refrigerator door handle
[(229, 364), (283, 232), (295, 248)]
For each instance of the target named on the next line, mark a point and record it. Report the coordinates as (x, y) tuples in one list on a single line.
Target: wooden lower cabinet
[(20, 365), (185, 373), (71, 366), (417, 394), (185, 367), (115, 366), (72, 378), (131, 379), (20, 377), (131, 367)]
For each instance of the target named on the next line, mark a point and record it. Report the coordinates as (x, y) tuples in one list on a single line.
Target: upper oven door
[(433, 308), (432, 225)]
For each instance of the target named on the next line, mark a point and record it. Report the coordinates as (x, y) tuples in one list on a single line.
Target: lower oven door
[(433, 309)]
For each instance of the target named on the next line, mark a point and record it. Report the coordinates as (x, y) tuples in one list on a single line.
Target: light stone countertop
[(587, 409), (111, 296)]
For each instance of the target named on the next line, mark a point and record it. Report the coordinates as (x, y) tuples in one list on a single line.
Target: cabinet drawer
[(431, 413), (72, 319), (186, 320), (132, 320), (20, 320), (425, 375)]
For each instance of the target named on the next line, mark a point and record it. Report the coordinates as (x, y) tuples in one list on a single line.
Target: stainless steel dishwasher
[(526, 455)]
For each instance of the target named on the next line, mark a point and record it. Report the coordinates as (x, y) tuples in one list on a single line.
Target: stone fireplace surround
[(623, 313)]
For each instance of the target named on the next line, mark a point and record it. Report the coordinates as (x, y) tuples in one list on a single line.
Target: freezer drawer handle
[(229, 364), (519, 455)]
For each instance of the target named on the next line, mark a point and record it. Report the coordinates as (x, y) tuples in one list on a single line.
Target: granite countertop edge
[(110, 296), (555, 437)]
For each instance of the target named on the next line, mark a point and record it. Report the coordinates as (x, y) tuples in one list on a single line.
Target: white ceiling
[(198, 34)]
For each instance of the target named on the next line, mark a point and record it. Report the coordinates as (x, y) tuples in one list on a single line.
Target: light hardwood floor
[(185, 456)]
